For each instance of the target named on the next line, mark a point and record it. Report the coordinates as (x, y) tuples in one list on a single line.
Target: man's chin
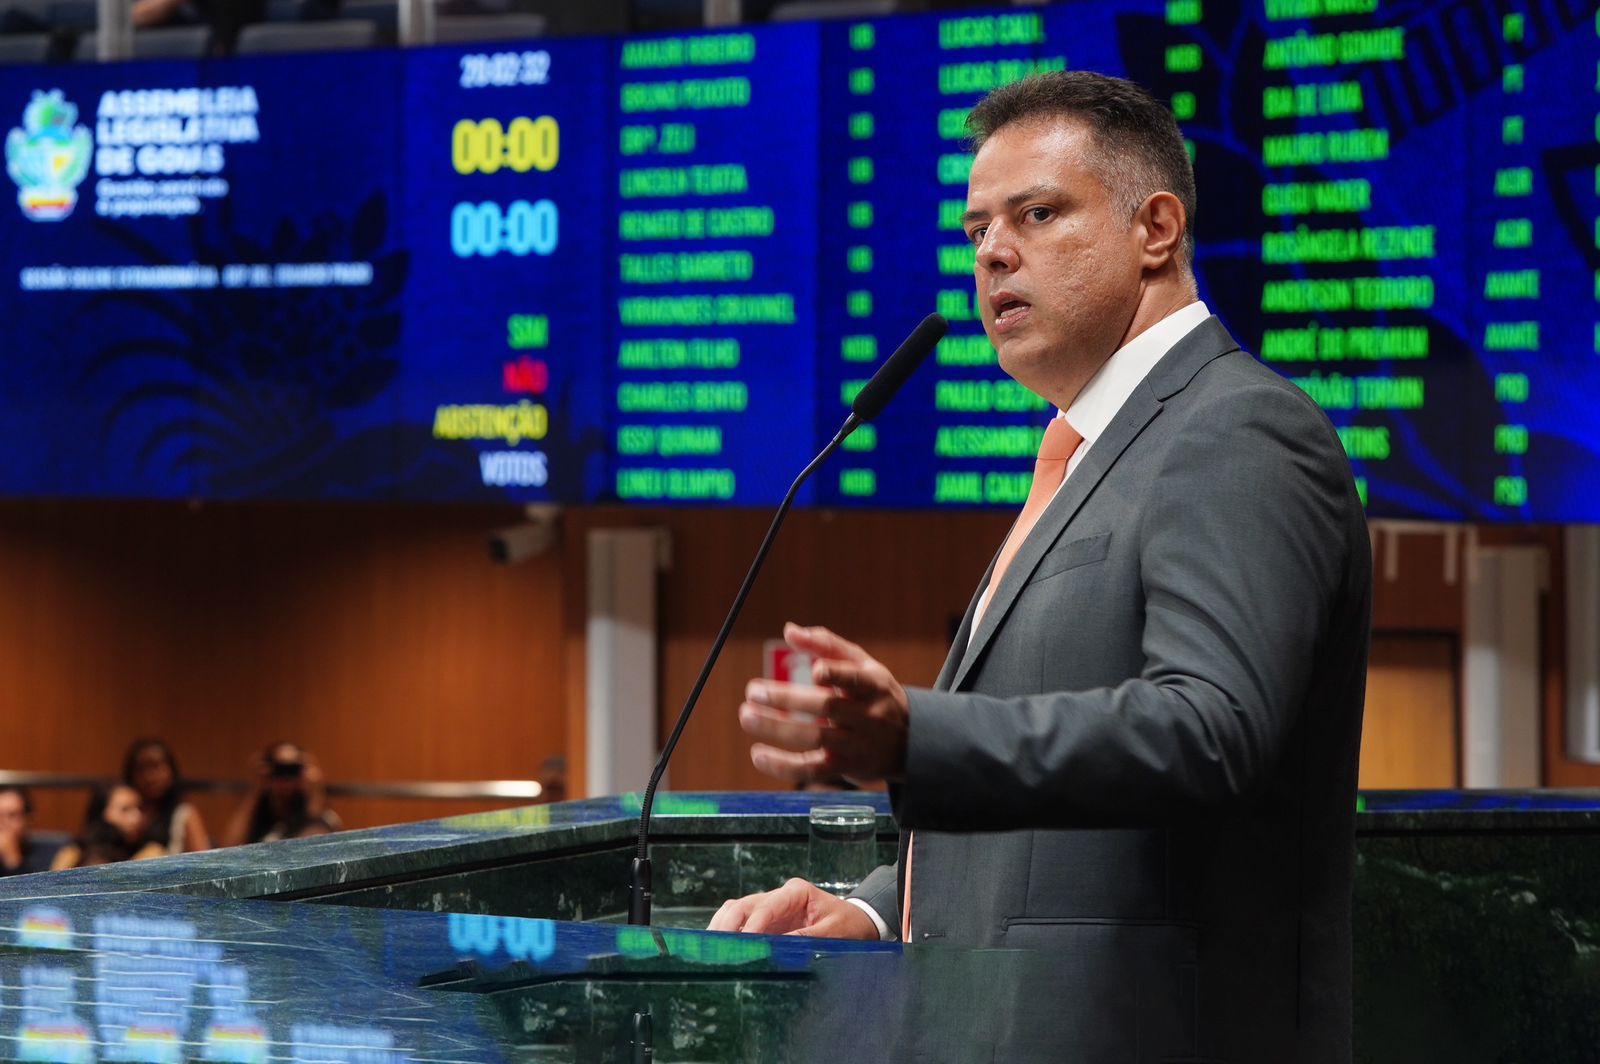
[(1021, 360)]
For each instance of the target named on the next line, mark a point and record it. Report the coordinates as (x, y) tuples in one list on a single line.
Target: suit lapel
[(963, 637), (1207, 341), (1134, 416)]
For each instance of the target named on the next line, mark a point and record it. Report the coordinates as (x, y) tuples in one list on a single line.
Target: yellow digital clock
[(484, 146)]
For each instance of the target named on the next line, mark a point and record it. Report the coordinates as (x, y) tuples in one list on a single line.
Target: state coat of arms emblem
[(48, 157)]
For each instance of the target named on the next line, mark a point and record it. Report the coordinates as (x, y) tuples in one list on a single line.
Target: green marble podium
[(495, 937)]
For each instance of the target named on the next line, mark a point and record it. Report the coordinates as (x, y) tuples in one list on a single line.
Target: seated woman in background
[(287, 802), (113, 830), (103, 844), (152, 769)]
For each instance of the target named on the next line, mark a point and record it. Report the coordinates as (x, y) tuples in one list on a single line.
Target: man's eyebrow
[(1016, 199)]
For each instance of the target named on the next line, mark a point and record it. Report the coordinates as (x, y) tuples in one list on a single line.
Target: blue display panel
[(658, 269), (896, 97), (713, 162), (214, 308), (1399, 213), (507, 305)]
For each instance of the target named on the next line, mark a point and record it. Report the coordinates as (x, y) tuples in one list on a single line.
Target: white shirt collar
[(1110, 387)]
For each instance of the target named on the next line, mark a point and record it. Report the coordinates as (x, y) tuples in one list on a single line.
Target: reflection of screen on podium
[(157, 990), (446, 274)]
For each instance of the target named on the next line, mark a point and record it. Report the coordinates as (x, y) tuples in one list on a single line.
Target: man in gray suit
[(1141, 753)]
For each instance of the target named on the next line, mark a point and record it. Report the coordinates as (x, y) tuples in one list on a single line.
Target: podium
[(167, 978), (497, 937)]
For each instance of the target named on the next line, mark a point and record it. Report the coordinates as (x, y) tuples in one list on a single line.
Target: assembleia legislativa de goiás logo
[(48, 157)]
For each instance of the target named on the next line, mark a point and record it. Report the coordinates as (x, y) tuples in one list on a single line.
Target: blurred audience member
[(104, 844), (21, 848), (289, 800), (31, 18), (225, 17), (147, 13), (553, 779), (15, 19), (315, 827), (151, 769), (113, 830)]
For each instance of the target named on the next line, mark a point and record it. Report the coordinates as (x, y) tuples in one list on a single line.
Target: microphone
[(877, 392), (869, 403)]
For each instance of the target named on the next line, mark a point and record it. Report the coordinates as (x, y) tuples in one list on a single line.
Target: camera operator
[(288, 801)]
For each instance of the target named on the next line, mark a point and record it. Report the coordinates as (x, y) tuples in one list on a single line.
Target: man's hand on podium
[(796, 908), (853, 723)]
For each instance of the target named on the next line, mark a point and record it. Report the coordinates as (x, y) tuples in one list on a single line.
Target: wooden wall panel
[(1422, 601), (380, 637), (1411, 734), (894, 582), (383, 639), (1559, 770), (1421, 597)]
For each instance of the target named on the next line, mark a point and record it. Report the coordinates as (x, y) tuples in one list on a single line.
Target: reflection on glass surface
[(672, 804), (532, 816), (143, 984), (329, 1044), (692, 947), (44, 927), (233, 1033), (168, 979), (50, 1028), (525, 940)]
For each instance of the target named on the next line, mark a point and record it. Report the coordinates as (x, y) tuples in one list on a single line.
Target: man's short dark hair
[(1140, 146), (21, 792)]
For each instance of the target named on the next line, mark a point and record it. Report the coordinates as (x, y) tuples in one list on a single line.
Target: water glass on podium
[(843, 847)]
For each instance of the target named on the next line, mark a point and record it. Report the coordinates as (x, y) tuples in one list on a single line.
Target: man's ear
[(1162, 221)]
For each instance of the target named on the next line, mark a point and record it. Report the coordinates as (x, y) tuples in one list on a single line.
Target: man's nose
[(997, 251)]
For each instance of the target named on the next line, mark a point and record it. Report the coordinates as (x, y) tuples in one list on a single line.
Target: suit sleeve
[(1243, 548), (880, 892)]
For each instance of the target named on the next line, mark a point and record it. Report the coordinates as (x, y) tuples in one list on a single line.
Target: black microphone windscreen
[(877, 392)]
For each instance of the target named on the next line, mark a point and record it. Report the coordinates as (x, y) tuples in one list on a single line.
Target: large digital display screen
[(657, 269)]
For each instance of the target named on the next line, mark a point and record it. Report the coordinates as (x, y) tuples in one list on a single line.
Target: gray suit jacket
[(1143, 760)]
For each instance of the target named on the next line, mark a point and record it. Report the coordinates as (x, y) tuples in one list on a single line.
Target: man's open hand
[(852, 724)]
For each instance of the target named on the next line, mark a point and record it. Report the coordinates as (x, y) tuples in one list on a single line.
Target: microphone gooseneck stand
[(869, 403), (639, 898)]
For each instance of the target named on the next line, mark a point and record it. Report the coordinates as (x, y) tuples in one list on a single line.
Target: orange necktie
[(1049, 470)]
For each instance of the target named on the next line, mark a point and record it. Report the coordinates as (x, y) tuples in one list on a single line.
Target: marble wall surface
[(1477, 920)]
